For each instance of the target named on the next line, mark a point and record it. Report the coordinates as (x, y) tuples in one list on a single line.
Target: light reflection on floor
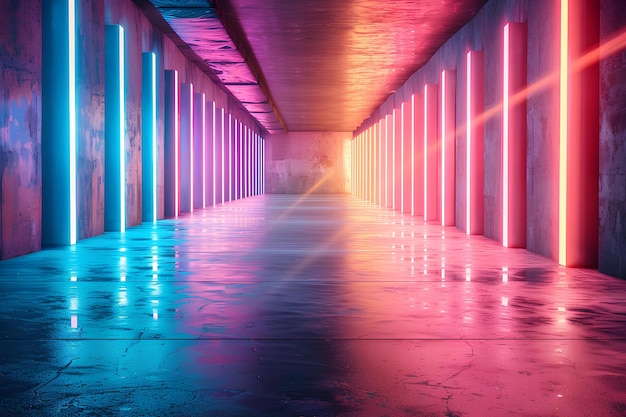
[(322, 306)]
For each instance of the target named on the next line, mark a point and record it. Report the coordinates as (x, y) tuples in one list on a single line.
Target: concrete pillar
[(579, 130), (210, 153), (199, 150), (448, 148), (514, 136), (474, 152), (171, 144), (149, 138), (397, 158), (431, 152), (186, 148), (417, 165), (407, 149)]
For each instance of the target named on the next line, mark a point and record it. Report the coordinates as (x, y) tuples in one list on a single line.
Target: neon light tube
[(230, 157), (402, 158), (443, 147), (448, 147), (413, 154), (240, 156), (233, 157), (71, 10), (393, 159), (203, 147), (222, 117), (154, 139), (468, 158), (176, 146), (505, 141), (425, 153), (122, 154), (563, 132), (213, 110)]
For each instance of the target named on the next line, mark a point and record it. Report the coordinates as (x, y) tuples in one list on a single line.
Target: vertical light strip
[(242, 133), (505, 141), (360, 155), (176, 145), (363, 165), (247, 162), (213, 153), (563, 133), (203, 136), (191, 150), (367, 164), (393, 159), (413, 154), (402, 157), (387, 121), (380, 162), (356, 166), (244, 172), (444, 142), (233, 157), (154, 138), (366, 149), (468, 157), (72, 116), (122, 133), (372, 149), (222, 117), (425, 152), (256, 164), (253, 164), (230, 157)]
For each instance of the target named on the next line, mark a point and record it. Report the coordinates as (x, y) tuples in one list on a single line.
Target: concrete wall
[(90, 118), (484, 32), (20, 127), (612, 232), (305, 162), (21, 114)]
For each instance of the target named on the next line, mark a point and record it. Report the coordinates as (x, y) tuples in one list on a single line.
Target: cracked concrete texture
[(318, 305)]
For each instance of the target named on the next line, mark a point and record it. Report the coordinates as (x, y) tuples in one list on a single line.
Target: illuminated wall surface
[(313, 304), (552, 138), (85, 167), (514, 145)]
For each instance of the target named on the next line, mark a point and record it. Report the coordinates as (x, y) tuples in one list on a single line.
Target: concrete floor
[(285, 305)]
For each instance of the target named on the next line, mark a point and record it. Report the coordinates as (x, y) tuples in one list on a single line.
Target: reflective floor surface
[(317, 305)]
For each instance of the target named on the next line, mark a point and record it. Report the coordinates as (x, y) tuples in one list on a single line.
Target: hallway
[(306, 305)]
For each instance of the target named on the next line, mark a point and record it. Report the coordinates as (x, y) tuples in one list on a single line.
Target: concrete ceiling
[(322, 65)]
